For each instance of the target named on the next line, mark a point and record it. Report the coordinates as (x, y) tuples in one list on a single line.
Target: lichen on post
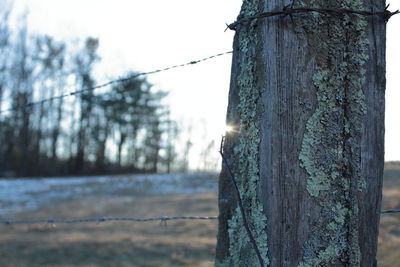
[(307, 98), (331, 151), (246, 151)]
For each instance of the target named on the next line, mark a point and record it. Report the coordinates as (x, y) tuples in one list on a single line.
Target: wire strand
[(289, 11), (107, 219), (84, 90), (129, 219), (390, 211)]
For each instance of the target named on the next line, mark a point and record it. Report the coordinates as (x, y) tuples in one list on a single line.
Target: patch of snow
[(18, 195)]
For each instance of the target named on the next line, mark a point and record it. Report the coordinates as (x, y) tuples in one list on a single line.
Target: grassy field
[(179, 243), (389, 232)]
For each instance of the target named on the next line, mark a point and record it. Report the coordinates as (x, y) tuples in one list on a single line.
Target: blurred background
[(143, 147)]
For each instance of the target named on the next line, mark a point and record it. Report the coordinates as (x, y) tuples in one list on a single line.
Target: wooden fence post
[(307, 105)]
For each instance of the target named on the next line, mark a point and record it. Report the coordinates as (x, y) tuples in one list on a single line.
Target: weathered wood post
[(307, 104)]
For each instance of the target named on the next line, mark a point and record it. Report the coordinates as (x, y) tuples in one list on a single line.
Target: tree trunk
[(121, 142), (307, 104), (55, 136)]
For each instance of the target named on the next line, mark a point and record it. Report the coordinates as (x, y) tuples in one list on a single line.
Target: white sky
[(150, 34)]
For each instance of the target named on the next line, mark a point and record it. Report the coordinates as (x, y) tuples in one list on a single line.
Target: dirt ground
[(179, 243)]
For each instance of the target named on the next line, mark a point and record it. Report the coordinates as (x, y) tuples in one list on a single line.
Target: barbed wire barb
[(84, 90)]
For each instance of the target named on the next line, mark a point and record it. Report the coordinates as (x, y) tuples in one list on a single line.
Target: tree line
[(124, 128)]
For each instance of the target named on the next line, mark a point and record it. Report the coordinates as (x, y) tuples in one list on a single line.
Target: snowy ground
[(21, 195)]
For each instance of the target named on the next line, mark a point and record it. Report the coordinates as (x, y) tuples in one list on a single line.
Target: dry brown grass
[(389, 231), (180, 243)]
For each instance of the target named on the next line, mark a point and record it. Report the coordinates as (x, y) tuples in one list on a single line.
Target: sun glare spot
[(229, 129)]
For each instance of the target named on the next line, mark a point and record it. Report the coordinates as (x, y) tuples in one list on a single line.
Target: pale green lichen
[(331, 144), (241, 250)]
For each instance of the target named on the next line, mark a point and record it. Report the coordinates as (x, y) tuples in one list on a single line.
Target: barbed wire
[(128, 219), (289, 11), (121, 80), (120, 219), (162, 219), (390, 211), (240, 204)]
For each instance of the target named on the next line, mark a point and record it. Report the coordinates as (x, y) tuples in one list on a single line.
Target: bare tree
[(22, 71), (51, 77), (172, 133), (4, 44), (84, 62), (187, 148), (5, 126), (307, 104)]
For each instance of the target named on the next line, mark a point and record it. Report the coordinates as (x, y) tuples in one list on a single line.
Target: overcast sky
[(151, 34)]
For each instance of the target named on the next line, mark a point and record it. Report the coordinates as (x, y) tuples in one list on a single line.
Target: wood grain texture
[(372, 146), (288, 100), (226, 196), (286, 63)]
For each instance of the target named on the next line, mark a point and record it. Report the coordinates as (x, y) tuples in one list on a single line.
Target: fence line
[(132, 77), (162, 219)]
